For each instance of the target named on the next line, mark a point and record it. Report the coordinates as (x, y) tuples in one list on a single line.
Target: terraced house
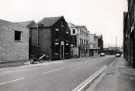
[(93, 45), (74, 40), (83, 40)]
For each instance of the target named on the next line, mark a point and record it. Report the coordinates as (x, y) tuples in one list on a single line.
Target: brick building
[(82, 40), (93, 45), (51, 36), (129, 33), (74, 40), (100, 43), (14, 42)]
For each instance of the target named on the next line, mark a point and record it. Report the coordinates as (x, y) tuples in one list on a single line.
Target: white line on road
[(89, 80), (12, 81)]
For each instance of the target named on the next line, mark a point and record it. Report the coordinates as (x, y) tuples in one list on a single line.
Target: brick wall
[(45, 40)]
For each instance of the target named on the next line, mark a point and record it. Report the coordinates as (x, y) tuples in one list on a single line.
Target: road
[(57, 76)]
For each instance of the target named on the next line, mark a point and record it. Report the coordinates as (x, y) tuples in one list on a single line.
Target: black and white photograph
[(67, 45)]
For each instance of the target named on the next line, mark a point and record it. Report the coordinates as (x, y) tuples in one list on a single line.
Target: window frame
[(18, 37)]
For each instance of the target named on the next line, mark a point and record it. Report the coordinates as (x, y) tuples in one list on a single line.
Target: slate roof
[(49, 21)]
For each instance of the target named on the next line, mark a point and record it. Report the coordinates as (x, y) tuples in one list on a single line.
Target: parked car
[(102, 54)]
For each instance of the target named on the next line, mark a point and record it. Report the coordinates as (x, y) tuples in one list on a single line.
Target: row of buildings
[(83, 42), (52, 37), (129, 33)]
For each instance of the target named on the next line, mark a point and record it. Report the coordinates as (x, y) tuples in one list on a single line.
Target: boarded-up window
[(18, 35)]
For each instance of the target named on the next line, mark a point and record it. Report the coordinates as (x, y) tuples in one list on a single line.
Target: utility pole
[(116, 41), (38, 35)]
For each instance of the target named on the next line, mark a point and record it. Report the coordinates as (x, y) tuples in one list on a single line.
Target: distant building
[(112, 50), (83, 43), (100, 43), (74, 40), (52, 37), (82, 40), (14, 42), (93, 45)]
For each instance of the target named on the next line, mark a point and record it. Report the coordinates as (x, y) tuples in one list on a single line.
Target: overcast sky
[(100, 16)]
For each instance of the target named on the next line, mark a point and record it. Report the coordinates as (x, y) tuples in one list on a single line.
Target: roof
[(4, 22), (49, 21), (27, 23), (82, 27), (71, 25), (11, 25)]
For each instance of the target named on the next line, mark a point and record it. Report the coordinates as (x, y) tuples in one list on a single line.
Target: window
[(62, 24), (56, 43), (73, 31), (67, 32), (17, 35), (67, 44), (56, 29)]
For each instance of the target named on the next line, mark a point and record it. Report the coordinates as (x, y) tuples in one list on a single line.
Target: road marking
[(90, 79), (51, 71), (12, 81)]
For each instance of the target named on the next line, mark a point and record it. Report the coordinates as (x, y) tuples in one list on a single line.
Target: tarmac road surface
[(57, 76)]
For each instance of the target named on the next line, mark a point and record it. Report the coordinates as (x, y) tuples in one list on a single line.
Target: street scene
[(67, 45), (57, 76)]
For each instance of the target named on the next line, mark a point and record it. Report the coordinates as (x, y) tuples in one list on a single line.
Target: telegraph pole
[(116, 41)]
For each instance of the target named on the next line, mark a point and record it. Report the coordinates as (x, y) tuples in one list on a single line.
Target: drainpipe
[(38, 35)]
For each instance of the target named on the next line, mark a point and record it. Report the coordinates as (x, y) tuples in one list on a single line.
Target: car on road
[(102, 54), (117, 55)]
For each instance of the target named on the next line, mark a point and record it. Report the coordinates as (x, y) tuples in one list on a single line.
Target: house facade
[(52, 37), (33, 36), (82, 40), (129, 33), (83, 43), (100, 43), (14, 42), (93, 45), (74, 40)]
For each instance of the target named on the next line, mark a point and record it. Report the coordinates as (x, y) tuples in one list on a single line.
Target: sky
[(99, 16)]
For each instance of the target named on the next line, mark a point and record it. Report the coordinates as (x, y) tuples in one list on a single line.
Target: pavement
[(118, 77), (53, 76), (9, 64)]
